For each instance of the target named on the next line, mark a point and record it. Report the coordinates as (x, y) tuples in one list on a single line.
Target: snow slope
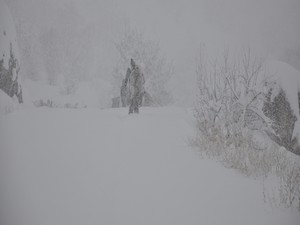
[(88, 167)]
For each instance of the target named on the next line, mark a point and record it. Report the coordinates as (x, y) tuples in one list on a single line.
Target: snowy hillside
[(106, 167)]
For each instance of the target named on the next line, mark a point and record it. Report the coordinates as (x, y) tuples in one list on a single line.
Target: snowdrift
[(7, 104), (94, 166)]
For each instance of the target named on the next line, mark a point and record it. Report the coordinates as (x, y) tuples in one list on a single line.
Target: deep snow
[(89, 167)]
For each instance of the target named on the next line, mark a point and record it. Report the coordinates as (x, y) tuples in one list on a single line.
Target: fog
[(269, 27), (132, 112)]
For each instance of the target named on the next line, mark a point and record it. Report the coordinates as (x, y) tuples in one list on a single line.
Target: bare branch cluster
[(235, 127)]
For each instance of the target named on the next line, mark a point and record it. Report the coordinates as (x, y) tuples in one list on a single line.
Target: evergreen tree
[(280, 112)]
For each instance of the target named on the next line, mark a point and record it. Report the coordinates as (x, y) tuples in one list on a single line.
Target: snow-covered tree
[(282, 105), (147, 55), (9, 55), (279, 110)]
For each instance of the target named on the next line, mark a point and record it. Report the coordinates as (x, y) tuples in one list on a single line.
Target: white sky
[(181, 25), (269, 24)]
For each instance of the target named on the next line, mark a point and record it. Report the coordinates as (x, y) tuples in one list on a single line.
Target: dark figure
[(136, 88)]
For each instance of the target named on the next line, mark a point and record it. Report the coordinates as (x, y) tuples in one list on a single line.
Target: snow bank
[(88, 94), (92, 166), (7, 104), (288, 78)]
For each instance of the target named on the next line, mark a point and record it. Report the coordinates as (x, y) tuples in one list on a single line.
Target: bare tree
[(231, 94), (249, 86)]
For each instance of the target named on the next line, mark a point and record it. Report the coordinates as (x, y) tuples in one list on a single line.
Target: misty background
[(76, 39), (224, 149)]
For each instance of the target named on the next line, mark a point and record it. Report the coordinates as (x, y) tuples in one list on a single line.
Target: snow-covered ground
[(93, 94), (90, 166), (7, 104)]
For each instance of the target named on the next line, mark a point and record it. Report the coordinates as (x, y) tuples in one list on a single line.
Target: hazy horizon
[(269, 27)]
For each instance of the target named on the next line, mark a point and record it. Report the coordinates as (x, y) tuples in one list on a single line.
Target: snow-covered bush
[(281, 188), (289, 191), (244, 116), (231, 97), (52, 104), (245, 94)]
